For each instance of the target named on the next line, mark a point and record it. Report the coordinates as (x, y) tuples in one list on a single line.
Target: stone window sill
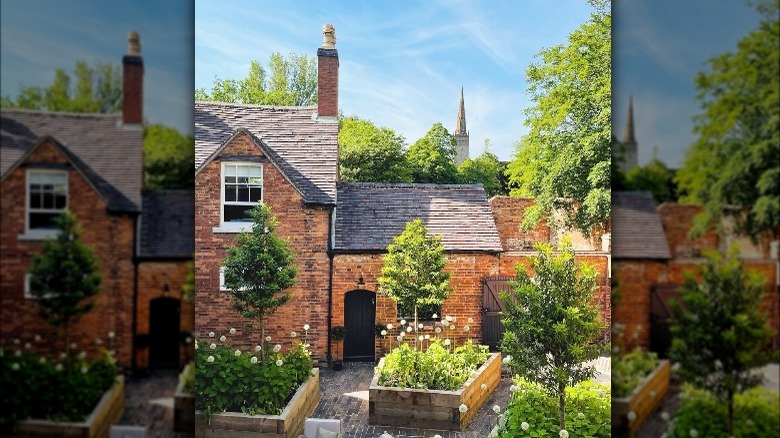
[(232, 229), (38, 235)]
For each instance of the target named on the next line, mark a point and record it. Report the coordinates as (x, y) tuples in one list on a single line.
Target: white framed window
[(47, 198), (222, 279), (242, 189)]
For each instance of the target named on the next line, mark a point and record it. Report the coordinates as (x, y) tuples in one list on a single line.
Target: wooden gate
[(492, 310), (661, 317), (164, 332)]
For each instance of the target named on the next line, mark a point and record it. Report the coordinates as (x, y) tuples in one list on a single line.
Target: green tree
[(91, 89), (431, 157), (734, 163), (654, 177), (64, 277), (564, 160), (413, 272), (551, 322), (259, 268), (371, 154), (292, 82), (485, 170), (719, 332), (169, 158)]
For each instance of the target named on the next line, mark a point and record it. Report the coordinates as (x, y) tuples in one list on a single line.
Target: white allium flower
[(399, 338), (403, 322), (420, 326), (111, 335), (196, 344), (466, 328), (483, 387), (693, 433), (267, 339), (210, 359), (427, 337), (279, 362), (389, 326), (631, 415), (496, 409), (98, 341), (82, 355), (664, 415), (84, 370), (27, 345), (447, 342), (563, 433), (513, 388), (265, 230), (232, 331), (676, 366), (17, 353), (635, 335), (437, 436), (58, 367), (222, 338), (505, 359), (444, 322), (434, 316), (187, 340), (463, 408), (306, 327), (72, 345), (470, 320), (452, 326), (438, 329), (524, 425), (718, 364), (42, 360), (293, 334), (580, 415), (211, 334), (277, 348), (15, 366), (253, 360), (237, 353), (449, 318), (383, 332), (213, 346), (409, 329), (63, 355), (17, 341), (37, 338), (258, 348), (421, 338)]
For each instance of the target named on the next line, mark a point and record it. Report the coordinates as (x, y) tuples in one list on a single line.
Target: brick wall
[(307, 229), (677, 220), (635, 280), (111, 237), (508, 213)]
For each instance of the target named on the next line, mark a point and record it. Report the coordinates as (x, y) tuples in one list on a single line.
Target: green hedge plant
[(630, 369)]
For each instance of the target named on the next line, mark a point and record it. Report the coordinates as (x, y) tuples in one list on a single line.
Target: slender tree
[(169, 158), (64, 277), (371, 154), (431, 157), (551, 321), (485, 170), (259, 268)]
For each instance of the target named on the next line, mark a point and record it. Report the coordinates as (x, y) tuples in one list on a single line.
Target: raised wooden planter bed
[(643, 400), (431, 409), (96, 425), (288, 424), (183, 407)]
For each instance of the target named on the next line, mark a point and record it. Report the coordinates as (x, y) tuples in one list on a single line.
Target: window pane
[(237, 213), (35, 200), (242, 171), (230, 193), (255, 194), (230, 180), (60, 201), (255, 171), (242, 180), (243, 194), (43, 220), (230, 170), (48, 200)]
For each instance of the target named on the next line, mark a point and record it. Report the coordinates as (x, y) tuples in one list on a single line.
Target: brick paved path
[(149, 402)]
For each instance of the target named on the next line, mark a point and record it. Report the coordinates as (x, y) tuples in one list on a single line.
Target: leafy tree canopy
[(95, 88), (564, 160), (733, 167), (169, 158), (371, 154), (431, 157), (486, 170), (290, 81), (654, 177)]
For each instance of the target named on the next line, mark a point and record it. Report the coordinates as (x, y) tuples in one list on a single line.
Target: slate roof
[(637, 232), (303, 148), (108, 156), (369, 215), (167, 224)]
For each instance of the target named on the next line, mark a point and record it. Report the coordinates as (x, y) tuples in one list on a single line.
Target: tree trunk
[(415, 327), (731, 413), (562, 405), (67, 342), (262, 339)]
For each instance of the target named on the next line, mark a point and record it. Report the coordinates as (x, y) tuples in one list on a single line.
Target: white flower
[(63, 355), (383, 332), (427, 337), (237, 353), (524, 425), (447, 342), (420, 326), (438, 329), (616, 349), (293, 334), (664, 415), (84, 370), (434, 316), (631, 415), (222, 338), (27, 345), (82, 355), (258, 348), (58, 367), (213, 346), (600, 393), (389, 326), (265, 230), (111, 335), (563, 433), (279, 362), (403, 322), (470, 320), (37, 338), (211, 334), (98, 341), (42, 360), (444, 322), (449, 318), (409, 329), (267, 339), (399, 338), (718, 364), (421, 338), (693, 433), (210, 359), (15, 366), (513, 388), (277, 348), (253, 359), (676, 366), (72, 345), (17, 341), (496, 409), (463, 408), (452, 326), (17, 353), (196, 344), (437, 436), (505, 359), (483, 387), (306, 327), (580, 415), (232, 331), (465, 327), (187, 340)]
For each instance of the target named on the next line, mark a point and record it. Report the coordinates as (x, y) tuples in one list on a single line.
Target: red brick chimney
[(133, 82), (328, 74)]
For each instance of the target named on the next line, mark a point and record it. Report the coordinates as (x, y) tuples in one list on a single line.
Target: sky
[(658, 47), (37, 37), (402, 64)]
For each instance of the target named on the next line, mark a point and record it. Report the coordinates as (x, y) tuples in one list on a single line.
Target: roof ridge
[(62, 113), (254, 105), (382, 185)]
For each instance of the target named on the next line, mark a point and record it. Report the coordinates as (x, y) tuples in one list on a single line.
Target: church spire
[(460, 125), (629, 135)]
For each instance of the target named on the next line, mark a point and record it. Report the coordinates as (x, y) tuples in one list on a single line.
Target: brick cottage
[(92, 164), (339, 231)]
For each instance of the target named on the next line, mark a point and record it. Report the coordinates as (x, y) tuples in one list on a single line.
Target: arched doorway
[(359, 318), (164, 320)]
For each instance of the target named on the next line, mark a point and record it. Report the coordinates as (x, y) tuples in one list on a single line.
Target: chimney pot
[(133, 44), (328, 74), (328, 36), (133, 82)]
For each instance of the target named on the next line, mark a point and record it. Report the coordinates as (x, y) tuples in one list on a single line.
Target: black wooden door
[(164, 315), (661, 317), (492, 310), (359, 317)]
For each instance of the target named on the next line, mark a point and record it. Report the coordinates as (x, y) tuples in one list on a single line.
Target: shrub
[(435, 368), (230, 382), (756, 414), (629, 369), (533, 412), (188, 377), (62, 390)]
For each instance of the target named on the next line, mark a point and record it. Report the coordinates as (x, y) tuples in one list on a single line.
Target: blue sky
[(402, 64), (37, 37), (658, 47)]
